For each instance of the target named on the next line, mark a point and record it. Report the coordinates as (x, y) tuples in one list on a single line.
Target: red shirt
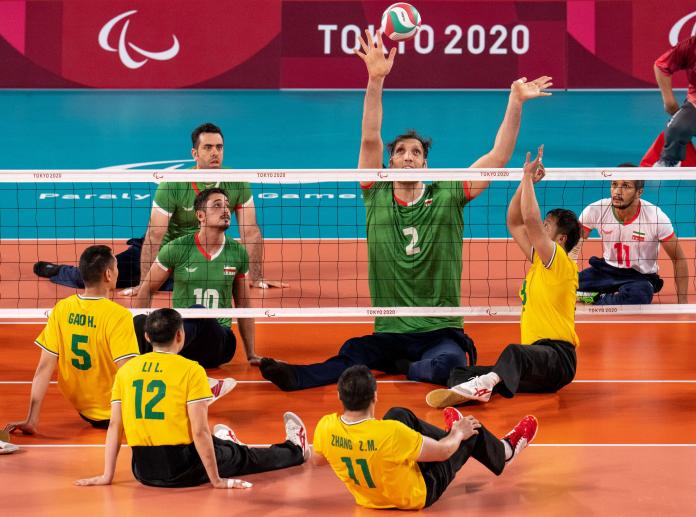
[(681, 57), (653, 154)]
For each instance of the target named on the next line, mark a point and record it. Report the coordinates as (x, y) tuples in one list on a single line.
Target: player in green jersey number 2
[(414, 241)]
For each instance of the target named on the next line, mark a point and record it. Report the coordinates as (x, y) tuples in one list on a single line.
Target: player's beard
[(621, 205)]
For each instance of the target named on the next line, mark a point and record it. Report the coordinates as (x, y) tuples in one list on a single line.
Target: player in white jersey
[(632, 231)]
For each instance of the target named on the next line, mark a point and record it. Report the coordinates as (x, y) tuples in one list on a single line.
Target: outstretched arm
[(378, 67), (252, 240), (114, 436), (247, 326), (39, 386), (681, 268), (533, 224), (506, 138)]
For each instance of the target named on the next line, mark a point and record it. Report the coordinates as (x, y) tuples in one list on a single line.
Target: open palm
[(525, 90), (378, 65)]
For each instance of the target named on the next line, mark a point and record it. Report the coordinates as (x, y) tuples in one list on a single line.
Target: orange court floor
[(619, 440)]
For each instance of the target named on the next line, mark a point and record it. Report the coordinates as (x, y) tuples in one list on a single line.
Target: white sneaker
[(226, 433), (8, 448), (296, 432), (220, 388), (475, 389)]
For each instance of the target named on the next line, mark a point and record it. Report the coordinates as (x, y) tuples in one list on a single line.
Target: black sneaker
[(46, 269), (280, 374)]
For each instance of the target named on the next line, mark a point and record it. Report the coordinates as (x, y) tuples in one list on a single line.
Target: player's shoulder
[(652, 211), (188, 239), (600, 204)]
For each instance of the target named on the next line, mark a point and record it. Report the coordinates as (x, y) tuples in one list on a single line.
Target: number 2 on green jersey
[(411, 248)]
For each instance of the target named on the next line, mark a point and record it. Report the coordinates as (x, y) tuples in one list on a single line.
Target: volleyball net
[(315, 237)]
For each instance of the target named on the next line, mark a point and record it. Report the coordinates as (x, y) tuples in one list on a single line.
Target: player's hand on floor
[(231, 483), (23, 426), (262, 283), (131, 291), (95, 481), (254, 360)]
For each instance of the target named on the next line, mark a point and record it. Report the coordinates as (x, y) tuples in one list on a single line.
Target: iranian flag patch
[(229, 270), (638, 236)]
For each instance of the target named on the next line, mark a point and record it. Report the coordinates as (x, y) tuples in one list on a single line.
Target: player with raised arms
[(414, 241)]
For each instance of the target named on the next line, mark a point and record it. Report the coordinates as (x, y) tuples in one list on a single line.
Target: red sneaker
[(522, 435), (451, 415)]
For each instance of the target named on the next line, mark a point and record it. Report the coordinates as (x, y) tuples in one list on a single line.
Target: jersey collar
[(401, 202), (205, 253), (195, 188), (626, 223)]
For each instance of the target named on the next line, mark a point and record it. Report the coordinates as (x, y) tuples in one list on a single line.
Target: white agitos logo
[(675, 32), (123, 52)]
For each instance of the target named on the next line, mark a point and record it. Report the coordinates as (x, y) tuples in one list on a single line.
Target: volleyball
[(400, 21)]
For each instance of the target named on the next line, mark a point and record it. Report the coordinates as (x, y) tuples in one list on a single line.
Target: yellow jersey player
[(160, 399), (88, 337), (546, 359), (401, 461)]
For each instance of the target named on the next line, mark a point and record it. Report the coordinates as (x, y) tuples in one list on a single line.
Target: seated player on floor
[(632, 230), (546, 360), (209, 271), (160, 400), (401, 461), (414, 243), (89, 337)]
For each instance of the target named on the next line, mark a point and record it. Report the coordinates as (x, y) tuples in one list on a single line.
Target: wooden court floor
[(620, 440)]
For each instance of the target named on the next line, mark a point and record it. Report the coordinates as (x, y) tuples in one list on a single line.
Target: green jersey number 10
[(209, 298)]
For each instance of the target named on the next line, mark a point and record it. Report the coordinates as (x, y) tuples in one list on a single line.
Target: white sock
[(508, 450)]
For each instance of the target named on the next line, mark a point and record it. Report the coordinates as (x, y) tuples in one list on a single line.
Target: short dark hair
[(93, 262), (204, 128), (411, 134), (567, 224), (639, 184), (161, 326), (357, 387), (203, 195)]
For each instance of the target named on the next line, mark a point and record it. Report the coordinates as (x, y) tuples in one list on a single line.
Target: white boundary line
[(101, 445), (370, 322), (404, 381)]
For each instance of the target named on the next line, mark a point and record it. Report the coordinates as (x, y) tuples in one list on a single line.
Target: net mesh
[(315, 236)]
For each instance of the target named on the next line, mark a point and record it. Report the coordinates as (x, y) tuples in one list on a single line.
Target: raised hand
[(524, 90), (378, 65), (535, 169)]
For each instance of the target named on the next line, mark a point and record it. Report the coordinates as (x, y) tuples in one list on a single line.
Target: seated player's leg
[(69, 276), (439, 354), (543, 367), (597, 280), (208, 342), (483, 446), (372, 350), (680, 130), (634, 292), (236, 459)]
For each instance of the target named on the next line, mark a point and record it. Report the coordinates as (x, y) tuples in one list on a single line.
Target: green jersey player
[(209, 271), (414, 241)]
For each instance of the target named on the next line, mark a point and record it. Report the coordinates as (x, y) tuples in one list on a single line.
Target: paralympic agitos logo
[(676, 32), (124, 53)]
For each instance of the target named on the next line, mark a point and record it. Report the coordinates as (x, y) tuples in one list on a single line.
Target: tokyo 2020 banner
[(309, 43)]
